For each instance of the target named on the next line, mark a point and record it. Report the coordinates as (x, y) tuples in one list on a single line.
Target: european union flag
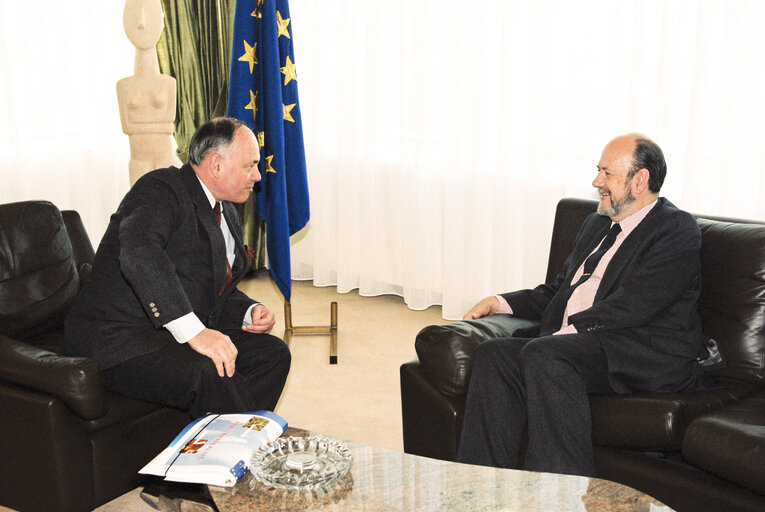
[(263, 94)]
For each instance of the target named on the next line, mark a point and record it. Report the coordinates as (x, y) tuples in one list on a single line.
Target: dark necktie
[(229, 275), (561, 299), (594, 258)]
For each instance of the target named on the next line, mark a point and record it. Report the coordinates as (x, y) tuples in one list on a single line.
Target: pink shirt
[(584, 294)]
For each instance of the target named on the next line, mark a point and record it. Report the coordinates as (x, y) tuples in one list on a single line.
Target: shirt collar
[(629, 223), (209, 195)]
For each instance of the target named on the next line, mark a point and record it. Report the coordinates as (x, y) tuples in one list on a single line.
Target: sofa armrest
[(729, 442), (76, 381), (431, 421), (446, 351)]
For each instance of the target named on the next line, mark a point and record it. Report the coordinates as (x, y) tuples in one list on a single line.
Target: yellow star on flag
[(289, 71), (286, 109), (249, 55), (282, 25), (268, 164), (261, 139), (253, 104), (256, 13)]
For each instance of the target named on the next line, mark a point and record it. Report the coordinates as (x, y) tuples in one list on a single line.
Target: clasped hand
[(262, 320)]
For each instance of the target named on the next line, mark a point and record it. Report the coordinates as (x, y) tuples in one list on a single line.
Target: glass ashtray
[(297, 463)]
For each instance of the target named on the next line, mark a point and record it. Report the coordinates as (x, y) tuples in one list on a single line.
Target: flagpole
[(331, 330)]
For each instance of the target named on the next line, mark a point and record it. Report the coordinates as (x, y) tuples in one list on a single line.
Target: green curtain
[(195, 49)]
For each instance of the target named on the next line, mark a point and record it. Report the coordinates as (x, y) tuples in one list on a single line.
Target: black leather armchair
[(67, 443), (696, 452)]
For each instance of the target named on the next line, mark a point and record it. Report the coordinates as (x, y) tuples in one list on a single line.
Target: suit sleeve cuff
[(185, 328)]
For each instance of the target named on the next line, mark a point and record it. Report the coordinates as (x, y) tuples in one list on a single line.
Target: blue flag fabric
[(263, 93)]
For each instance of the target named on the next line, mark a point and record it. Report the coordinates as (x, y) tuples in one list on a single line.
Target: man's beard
[(616, 207)]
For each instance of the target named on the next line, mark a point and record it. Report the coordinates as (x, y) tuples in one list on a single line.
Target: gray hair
[(216, 135)]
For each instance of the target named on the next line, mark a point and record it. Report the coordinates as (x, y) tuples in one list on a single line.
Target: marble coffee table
[(384, 480)]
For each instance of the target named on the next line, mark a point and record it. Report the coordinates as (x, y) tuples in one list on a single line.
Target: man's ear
[(216, 164), (640, 180)]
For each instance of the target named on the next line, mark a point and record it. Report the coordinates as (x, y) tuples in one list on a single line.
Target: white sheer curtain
[(60, 135), (441, 134)]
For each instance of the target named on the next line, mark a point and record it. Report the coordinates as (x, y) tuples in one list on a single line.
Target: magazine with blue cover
[(216, 449)]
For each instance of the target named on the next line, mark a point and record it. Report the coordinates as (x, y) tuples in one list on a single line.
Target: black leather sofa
[(701, 451), (66, 443)]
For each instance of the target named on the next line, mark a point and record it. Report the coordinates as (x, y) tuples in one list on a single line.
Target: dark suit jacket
[(163, 256), (645, 309)]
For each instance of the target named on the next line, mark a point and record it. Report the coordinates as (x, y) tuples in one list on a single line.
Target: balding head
[(630, 174)]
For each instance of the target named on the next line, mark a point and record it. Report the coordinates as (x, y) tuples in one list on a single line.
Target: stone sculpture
[(147, 99)]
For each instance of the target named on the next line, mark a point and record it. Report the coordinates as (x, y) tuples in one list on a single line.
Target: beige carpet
[(357, 399)]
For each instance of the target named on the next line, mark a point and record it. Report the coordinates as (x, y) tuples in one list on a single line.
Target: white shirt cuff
[(185, 328), (504, 307), (248, 315)]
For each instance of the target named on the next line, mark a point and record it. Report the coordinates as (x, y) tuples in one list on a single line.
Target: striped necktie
[(594, 258), (564, 294)]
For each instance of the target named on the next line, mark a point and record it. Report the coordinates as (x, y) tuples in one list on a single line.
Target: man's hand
[(262, 320), (218, 347), (488, 306)]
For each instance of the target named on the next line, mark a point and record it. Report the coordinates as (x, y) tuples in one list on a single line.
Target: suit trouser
[(539, 387), (178, 376)]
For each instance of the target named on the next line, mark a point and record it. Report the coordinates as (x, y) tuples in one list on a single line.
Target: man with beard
[(619, 318)]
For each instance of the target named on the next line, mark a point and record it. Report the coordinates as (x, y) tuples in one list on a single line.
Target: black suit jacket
[(162, 256), (645, 309)]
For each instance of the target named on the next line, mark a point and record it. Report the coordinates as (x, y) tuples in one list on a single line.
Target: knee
[(538, 352), (549, 358), (284, 355), (496, 356), (205, 374), (488, 350), (279, 352)]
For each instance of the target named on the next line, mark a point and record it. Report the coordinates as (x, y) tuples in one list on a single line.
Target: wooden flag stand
[(331, 330)]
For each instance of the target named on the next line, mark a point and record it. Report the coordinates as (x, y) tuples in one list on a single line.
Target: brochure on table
[(216, 449)]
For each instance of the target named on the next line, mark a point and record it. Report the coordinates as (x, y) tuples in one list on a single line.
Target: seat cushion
[(732, 302), (653, 421), (446, 351), (730, 443), (38, 276), (121, 409)]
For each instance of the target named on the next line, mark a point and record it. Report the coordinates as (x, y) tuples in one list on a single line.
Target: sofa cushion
[(653, 421), (120, 410), (38, 277), (446, 351), (730, 443), (732, 302)]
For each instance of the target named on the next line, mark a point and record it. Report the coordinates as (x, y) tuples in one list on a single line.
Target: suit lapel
[(630, 248), (596, 235), (593, 232), (209, 222)]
